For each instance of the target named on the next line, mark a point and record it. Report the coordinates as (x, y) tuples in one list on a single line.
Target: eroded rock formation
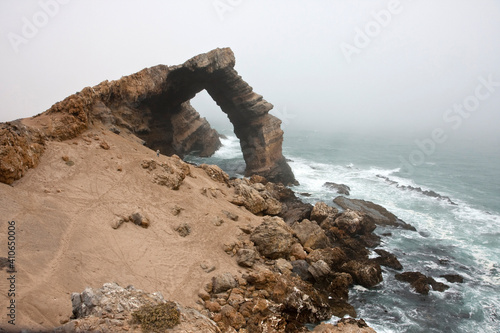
[(153, 104)]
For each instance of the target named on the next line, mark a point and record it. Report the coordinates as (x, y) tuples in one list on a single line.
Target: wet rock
[(421, 283), (339, 285), (387, 259), (339, 188), (365, 274), (273, 238), (453, 278), (310, 234), (345, 325)]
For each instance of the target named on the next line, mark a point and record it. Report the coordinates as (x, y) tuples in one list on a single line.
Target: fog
[(395, 67)]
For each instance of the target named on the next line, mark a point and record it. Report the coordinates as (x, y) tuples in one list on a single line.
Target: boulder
[(301, 268), (319, 269), (322, 211), (273, 238), (387, 259), (297, 251), (250, 198), (215, 173), (339, 285), (246, 257), (310, 234), (354, 223), (365, 274), (223, 282), (334, 257)]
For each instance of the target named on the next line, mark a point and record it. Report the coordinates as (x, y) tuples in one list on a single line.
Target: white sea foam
[(230, 148)]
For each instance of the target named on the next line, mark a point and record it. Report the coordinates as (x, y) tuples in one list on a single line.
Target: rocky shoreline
[(301, 261)]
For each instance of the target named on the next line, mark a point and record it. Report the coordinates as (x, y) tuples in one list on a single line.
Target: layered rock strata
[(153, 105)]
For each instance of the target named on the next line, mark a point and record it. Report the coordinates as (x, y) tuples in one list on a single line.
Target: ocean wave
[(230, 148)]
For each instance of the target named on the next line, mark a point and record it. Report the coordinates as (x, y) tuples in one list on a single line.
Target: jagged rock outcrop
[(111, 308), (377, 213), (20, 149), (153, 104)]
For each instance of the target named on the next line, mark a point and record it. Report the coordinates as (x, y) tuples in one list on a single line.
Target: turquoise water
[(459, 239)]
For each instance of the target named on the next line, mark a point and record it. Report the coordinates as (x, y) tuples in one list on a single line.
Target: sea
[(458, 232)]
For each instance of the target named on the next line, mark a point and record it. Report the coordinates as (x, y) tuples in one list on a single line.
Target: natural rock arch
[(154, 105)]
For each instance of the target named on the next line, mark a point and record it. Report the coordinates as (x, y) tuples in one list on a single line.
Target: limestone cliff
[(153, 104)]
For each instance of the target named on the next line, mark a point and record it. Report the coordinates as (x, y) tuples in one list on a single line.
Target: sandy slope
[(65, 241)]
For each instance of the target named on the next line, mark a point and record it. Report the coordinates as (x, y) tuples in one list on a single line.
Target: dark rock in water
[(428, 193), (379, 214), (370, 240), (340, 188), (305, 194), (339, 285), (387, 259), (421, 283), (453, 278)]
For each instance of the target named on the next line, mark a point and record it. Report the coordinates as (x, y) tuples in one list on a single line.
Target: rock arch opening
[(154, 104), (176, 127)]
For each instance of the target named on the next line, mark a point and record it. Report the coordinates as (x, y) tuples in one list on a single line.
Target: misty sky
[(341, 65)]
